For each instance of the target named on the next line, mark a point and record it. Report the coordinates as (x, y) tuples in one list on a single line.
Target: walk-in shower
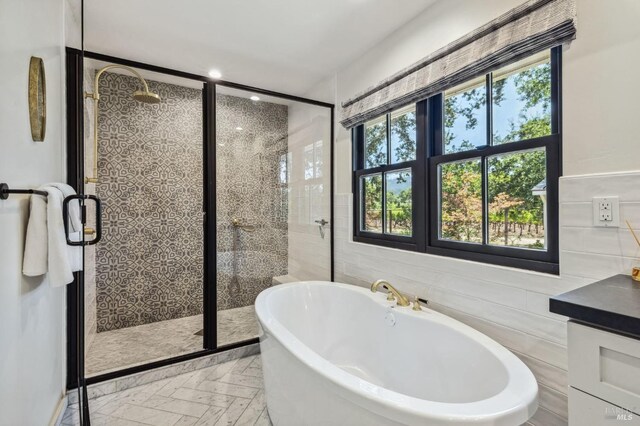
[(211, 193)]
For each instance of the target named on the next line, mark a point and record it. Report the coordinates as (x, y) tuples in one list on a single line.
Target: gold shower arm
[(96, 96)]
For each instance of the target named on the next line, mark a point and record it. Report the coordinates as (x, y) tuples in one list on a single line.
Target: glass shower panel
[(143, 281), (273, 170)]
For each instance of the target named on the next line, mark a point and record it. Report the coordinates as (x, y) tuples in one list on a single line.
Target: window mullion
[(483, 161), (485, 199), (489, 97), (383, 177), (388, 139)]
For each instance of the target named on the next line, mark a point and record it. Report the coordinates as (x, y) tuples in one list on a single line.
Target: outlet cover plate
[(606, 212)]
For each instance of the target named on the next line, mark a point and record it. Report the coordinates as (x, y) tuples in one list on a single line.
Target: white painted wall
[(600, 88), (32, 338)]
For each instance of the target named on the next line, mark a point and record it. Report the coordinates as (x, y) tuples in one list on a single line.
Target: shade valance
[(529, 28)]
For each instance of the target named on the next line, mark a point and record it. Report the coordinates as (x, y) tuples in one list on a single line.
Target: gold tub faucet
[(402, 300)]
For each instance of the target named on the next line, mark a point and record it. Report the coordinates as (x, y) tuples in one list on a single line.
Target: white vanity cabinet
[(604, 377)]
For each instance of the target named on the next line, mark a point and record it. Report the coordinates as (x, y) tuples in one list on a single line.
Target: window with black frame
[(487, 189), (384, 178)]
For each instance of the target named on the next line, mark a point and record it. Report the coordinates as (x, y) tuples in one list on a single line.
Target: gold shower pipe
[(142, 96)]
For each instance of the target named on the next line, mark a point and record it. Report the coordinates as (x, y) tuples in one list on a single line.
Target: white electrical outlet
[(606, 212)]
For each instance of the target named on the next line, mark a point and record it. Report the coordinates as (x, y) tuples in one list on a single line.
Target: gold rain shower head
[(144, 96)]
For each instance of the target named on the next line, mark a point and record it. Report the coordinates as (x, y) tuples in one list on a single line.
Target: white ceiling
[(282, 45)]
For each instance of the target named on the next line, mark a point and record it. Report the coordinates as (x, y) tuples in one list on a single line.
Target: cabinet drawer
[(605, 365), (586, 410)]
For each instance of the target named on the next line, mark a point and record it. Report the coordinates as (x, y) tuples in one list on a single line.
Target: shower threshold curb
[(144, 377)]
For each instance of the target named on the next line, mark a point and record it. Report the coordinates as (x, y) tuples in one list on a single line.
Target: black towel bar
[(5, 191)]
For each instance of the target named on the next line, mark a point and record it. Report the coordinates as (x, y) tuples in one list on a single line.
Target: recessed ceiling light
[(238, 128), (254, 98), (215, 74)]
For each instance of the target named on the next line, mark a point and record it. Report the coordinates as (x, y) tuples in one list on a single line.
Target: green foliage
[(403, 129), (516, 216), (376, 144), (399, 203), (461, 192)]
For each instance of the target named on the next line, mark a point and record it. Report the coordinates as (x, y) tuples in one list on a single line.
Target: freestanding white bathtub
[(337, 354)]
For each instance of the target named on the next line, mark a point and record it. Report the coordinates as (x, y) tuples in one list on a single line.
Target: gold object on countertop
[(402, 301), (416, 304), (635, 271)]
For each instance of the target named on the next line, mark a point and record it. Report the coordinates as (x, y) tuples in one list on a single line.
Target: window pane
[(375, 142), (308, 162), (399, 216), (371, 189), (318, 160), (517, 197), (465, 116), (461, 201), (403, 135), (522, 100)]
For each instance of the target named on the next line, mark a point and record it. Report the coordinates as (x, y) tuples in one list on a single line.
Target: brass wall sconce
[(37, 99)]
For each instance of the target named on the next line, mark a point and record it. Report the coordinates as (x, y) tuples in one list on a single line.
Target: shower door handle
[(83, 219)]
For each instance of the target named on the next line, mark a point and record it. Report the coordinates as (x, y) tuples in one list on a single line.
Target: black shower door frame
[(75, 177)]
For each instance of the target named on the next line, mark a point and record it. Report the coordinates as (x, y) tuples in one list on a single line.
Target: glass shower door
[(144, 160), (273, 204)]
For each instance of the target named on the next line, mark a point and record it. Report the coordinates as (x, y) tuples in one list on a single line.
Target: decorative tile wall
[(149, 263), (251, 139)]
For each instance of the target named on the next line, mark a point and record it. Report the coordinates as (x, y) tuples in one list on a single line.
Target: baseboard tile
[(56, 419)]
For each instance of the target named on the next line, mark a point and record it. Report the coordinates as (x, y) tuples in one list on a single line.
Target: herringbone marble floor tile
[(226, 394)]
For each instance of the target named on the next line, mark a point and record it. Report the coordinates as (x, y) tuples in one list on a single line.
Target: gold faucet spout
[(402, 300)]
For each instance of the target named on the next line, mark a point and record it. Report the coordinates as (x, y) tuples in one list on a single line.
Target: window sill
[(527, 265)]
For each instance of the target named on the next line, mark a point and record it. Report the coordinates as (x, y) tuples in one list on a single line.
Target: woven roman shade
[(529, 28)]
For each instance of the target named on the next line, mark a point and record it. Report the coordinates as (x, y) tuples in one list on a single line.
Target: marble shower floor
[(127, 347), (231, 393)]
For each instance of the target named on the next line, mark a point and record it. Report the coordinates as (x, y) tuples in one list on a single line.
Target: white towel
[(75, 224), (46, 249), (34, 261), (74, 206)]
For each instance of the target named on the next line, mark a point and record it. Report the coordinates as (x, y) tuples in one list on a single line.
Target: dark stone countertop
[(612, 303)]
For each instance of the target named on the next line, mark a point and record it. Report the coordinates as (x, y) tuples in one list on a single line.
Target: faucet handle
[(416, 304), (390, 296)]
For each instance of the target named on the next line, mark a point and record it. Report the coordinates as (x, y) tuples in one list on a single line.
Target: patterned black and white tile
[(149, 262), (251, 138), (150, 168)]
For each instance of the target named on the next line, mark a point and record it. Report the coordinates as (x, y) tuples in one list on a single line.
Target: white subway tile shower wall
[(510, 305)]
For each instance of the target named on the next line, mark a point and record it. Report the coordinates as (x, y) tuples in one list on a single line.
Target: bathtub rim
[(516, 402)]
